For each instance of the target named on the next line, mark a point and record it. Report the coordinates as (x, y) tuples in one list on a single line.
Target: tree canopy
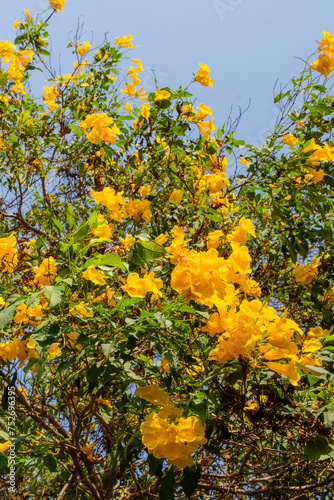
[(166, 290)]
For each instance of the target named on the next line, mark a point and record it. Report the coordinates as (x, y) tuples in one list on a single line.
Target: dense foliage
[(166, 293)]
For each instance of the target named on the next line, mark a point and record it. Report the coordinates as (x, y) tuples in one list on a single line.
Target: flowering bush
[(166, 315)]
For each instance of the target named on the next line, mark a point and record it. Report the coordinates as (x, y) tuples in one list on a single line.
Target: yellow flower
[(145, 190), (80, 310), (243, 160), (312, 345), (128, 241), (57, 4), (83, 49), (46, 272), (112, 200), (8, 254), (88, 451), (191, 429), (54, 350), (5, 446), (16, 24), (177, 440), (212, 240), (27, 13), (176, 196), (128, 108), (324, 64), (100, 125), (49, 96), (97, 277), (289, 139), (105, 402), (161, 94), (289, 370), (124, 41), (139, 287), (318, 175), (305, 273), (145, 110), (239, 233), (153, 393), (161, 239), (31, 343), (206, 127), (30, 315), (14, 349), (202, 76), (327, 43), (203, 112)]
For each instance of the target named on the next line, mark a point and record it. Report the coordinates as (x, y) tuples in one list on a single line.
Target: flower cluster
[(28, 315), (205, 127), (50, 95), (325, 62), (95, 276), (100, 124), (17, 348), (83, 48), (256, 331), (177, 440), (57, 4), (46, 272), (290, 140), (124, 41), (119, 208), (203, 75), (306, 272), (8, 254), (207, 278), (140, 287), (133, 72), (17, 63), (81, 310)]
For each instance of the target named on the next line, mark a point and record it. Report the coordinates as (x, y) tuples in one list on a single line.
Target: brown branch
[(22, 221), (64, 488)]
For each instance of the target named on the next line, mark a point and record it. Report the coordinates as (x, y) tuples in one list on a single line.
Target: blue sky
[(248, 44)]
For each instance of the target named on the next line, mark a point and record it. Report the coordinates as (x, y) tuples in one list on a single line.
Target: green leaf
[(3, 464), (124, 303), (4, 435), (70, 216), (189, 479), (167, 486), (108, 349), (50, 462), (200, 410), (81, 233), (32, 462), (328, 417), (112, 260), (58, 225), (319, 448), (92, 374), (43, 52), (147, 250), (4, 399), (155, 465), (8, 314), (54, 294), (163, 322), (152, 246), (106, 413)]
